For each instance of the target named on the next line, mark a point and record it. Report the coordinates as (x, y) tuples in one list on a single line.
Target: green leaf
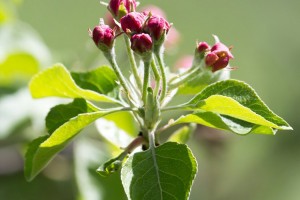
[(182, 135), (41, 154), (226, 123), (118, 128), (57, 81), (238, 100), (60, 114), (205, 78), (102, 80), (17, 68), (112, 165), (164, 172)]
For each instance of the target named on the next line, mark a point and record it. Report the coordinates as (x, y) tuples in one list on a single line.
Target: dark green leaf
[(102, 80), (113, 165), (238, 100), (60, 114), (60, 138), (165, 172)]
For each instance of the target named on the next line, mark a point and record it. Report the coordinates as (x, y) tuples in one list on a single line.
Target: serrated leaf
[(57, 81), (102, 79), (59, 139), (164, 172), (238, 100), (226, 123)]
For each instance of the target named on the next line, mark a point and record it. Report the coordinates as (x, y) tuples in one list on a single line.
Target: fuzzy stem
[(156, 76), (132, 62), (146, 80), (163, 75), (188, 77)]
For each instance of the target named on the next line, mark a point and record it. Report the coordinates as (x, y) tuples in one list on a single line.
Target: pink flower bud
[(116, 9), (141, 43), (157, 27), (133, 22), (219, 57), (202, 47), (103, 37)]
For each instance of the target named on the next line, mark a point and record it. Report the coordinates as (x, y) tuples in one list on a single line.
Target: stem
[(110, 56), (146, 80), (138, 141), (188, 77), (163, 75), (151, 139), (156, 76), (132, 62), (179, 107)]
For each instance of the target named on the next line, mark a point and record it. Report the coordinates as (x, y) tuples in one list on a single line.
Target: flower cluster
[(217, 57), (146, 31)]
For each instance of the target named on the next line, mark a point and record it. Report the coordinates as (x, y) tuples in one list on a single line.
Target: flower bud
[(157, 27), (133, 22), (141, 43), (219, 57), (119, 8), (103, 37), (202, 47)]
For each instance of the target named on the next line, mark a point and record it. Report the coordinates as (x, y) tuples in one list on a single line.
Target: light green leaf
[(164, 172), (17, 68), (205, 78), (112, 165), (182, 135), (226, 123), (57, 81), (238, 100), (60, 114), (41, 154), (118, 128), (102, 80)]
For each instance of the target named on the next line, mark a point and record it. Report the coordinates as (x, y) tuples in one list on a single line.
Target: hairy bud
[(133, 22), (141, 43), (119, 8), (103, 37)]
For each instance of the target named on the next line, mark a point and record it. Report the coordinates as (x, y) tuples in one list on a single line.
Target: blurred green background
[(265, 37)]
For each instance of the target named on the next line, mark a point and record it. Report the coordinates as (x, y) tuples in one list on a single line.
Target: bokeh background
[(265, 36)]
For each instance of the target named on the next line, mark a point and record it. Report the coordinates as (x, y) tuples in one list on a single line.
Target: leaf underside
[(233, 106)]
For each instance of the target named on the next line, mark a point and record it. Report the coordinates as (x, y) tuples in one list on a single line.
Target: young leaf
[(226, 123), (57, 81), (238, 100), (17, 67), (102, 80), (112, 165), (118, 132), (182, 135), (165, 172), (42, 153)]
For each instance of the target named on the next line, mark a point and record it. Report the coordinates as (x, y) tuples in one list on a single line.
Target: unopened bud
[(219, 57), (119, 8), (133, 22), (157, 27), (141, 43), (202, 47), (103, 37)]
